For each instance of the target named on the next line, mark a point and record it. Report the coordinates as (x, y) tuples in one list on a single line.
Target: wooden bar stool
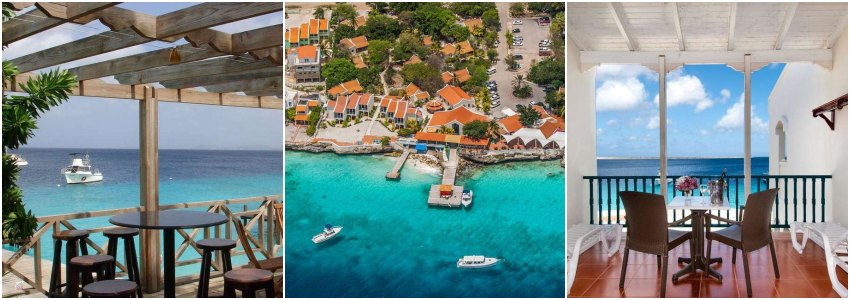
[(130, 258), (102, 265), (75, 242), (112, 289), (209, 246), (249, 281)]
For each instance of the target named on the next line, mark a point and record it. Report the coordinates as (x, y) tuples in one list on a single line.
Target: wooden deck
[(434, 198), (14, 287), (395, 172)]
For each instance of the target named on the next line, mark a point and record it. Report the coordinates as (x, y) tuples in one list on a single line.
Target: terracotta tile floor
[(801, 275)]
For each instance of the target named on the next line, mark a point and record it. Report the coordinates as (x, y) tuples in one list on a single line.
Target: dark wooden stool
[(209, 246), (130, 258), (102, 265), (75, 243), (249, 281), (111, 289)]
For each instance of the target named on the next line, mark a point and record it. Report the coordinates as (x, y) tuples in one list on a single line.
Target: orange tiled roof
[(360, 21), (471, 23), (364, 99), (462, 75), (401, 110), (331, 104), (293, 35), (305, 52), (411, 89), (352, 101), (413, 60), (301, 117), (305, 30), (447, 76), (511, 123), (465, 47), (312, 103), (452, 94), (448, 49), (543, 113), (356, 42), (427, 40), (314, 26), (323, 24), (420, 96), (392, 107), (461, 115), (430, 137), (300, 108), (340, 104), (549, 127), (389, 99), (346, 88), (465, 140), (358, 62)]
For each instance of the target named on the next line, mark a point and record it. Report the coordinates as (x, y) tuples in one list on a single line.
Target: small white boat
[(466, 198), (658, 180), (476, 261), (327, 234), (80, 170), (19, 160)]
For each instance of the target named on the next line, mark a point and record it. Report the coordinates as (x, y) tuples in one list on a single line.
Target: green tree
[(517, 9), (455, 32), (555, 100), (477, 77), (523, 92), (370, 78), (509, 38), (313, 121), (342, 32), (290, 114), (380, 27), (379, 8), (385, 141), (482, 100), (379, 52), (423, 76), (527, 115), (407, 45), (430, 18), (20, 114), (399, 7), (518, 81), (338, 70), (342, 12), (476, 129), (319, 13), (471, 9), (491, 19), (492, 55), (445, 129), (546, 7), (548, 71)]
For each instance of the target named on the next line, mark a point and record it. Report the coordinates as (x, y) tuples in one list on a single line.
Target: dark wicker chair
[(649, 232), (750, 234)]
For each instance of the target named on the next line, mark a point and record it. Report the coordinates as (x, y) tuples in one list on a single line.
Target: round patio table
[(168, 221), (699, 205)]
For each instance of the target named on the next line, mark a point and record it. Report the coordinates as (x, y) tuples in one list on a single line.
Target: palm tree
[(319, 13), (518, 81)]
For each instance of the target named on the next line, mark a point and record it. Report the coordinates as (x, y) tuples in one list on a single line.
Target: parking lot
[(532, 34)]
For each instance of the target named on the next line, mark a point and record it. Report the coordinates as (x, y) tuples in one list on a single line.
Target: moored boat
[(476, 261), (466, 198), (19, 160), (328, 233), (80, 170)]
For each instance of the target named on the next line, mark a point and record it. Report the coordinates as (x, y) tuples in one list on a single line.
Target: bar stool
[(209, 246), (249, 281), (103, 265), (111, 289), (76, 242), (130, 258)]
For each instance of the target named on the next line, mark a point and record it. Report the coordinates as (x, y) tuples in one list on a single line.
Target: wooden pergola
[(242, 69)]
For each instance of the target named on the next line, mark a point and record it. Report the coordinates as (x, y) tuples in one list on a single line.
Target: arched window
[(780, 132)]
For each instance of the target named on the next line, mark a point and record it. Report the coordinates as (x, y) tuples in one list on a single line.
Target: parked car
[(517, 22), (518, 43), (518, 56), (543, 21), (491, 70), (515, 30)]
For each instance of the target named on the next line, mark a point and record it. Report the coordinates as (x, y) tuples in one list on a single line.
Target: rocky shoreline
[(320, 147), (496, 158)]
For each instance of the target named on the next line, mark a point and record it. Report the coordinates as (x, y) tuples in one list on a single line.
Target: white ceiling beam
[(617, 12), (786, 25), (677, 23), (733, 12), (735, 59), (839, 28)]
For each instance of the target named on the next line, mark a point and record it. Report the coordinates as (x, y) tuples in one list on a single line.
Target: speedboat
[(19, 160), (328, 233), (466, 198), (80, 170), (476, 261)]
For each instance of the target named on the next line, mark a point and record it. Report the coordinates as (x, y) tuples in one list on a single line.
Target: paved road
[(504, 78)]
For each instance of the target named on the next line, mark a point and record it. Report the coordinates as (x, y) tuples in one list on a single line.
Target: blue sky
[(705, 111), (86, 122)]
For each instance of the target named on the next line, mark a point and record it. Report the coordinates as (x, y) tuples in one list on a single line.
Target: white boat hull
[(488, 262), (323, 237), (73, 178)]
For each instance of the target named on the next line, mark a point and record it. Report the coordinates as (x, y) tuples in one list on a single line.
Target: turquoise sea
[(394, 245), (185, 176)]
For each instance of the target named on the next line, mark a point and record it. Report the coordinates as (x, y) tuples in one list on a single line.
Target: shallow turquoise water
[(394, 245)]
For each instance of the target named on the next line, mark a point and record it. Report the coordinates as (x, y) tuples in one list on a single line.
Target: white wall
[(581, 135), (811, 147)]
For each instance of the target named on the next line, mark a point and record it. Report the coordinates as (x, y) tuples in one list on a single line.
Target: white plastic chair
[(582, 237), (832, 237)]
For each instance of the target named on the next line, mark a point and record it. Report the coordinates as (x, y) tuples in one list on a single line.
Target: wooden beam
[(207, 67), (37, 20), (840, 27), (269, 83), (677, 24), (256, 39), (267, 92), (149, 186), (222, 78), (71, 10), (79, 49), (20, 5), (786, 25), (733, 12), (617, 13), (164, 57), (119, 19), (211, 14), (274, 54)]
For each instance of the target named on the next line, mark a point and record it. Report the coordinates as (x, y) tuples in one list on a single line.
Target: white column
[(662, 122), (747, 113)]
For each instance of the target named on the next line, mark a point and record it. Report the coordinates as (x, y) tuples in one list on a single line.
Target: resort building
[(438, 141), (304, 64), (510, 124), (397, 111), (461, 76), (549, 132), (426, 40), (411, 89), (310, 33), (345, 88), (354, 45), (455, 97), (358, 61), (349, 107), (414, 59), (471, 24), (359, 21), (462, 49), (454, 119)]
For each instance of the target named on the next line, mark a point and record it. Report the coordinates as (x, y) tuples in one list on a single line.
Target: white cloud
[(611, 122), (725, 94), (734, 118), (653, 122), (599, 132), (689, 90), (621, 94)]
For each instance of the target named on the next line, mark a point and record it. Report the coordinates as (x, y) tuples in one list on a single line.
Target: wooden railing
[(269, 239)]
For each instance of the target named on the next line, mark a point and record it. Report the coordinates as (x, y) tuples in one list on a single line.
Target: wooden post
[(37, 261), (747, 120), (270, 236), (662, 122), (149, 187)]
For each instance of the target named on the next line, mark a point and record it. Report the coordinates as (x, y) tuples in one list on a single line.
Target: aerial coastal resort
[(194, 56), (447, 89)]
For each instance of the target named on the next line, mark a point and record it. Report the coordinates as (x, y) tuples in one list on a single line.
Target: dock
[(449, 173), (395, 172)]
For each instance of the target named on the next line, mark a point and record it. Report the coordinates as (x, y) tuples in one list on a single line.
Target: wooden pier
[(449, 173), (395, 173)]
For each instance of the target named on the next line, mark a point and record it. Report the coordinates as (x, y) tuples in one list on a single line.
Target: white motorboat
[(476, 261), (80, 170), (328, 233), (19, 160), (466, 198)]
